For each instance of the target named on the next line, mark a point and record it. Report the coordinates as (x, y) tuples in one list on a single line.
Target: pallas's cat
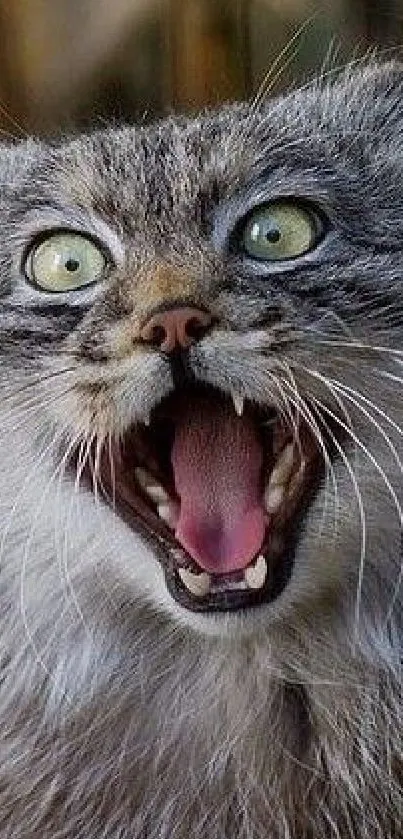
[(201, 416)]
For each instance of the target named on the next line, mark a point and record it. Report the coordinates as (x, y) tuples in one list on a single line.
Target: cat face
[(201, 330)]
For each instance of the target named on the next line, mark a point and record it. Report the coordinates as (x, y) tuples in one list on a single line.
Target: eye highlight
[(65, 262), (280, 230)]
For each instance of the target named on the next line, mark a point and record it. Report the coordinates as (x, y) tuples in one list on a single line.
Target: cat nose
[(177, 328)]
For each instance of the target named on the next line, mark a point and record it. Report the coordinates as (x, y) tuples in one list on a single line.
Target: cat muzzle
[(221, 488)]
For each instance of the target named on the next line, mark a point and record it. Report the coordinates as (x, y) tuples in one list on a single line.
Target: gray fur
[(123, 715)]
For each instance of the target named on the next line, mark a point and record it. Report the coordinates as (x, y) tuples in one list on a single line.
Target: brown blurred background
[(68, 63)]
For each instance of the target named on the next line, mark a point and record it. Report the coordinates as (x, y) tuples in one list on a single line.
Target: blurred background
[(73, 63)]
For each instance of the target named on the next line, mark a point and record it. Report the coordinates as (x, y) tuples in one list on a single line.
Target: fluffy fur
[(122, 714)]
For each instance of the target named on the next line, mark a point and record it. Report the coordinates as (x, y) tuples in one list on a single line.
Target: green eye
[(280, 231), (64, 262)]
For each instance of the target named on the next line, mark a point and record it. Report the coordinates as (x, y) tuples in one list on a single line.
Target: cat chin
[(258, 623), (313, 587), (226, 626)]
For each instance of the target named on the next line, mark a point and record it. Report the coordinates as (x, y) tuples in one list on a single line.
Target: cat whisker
[(89, 443), (65, 529), (276, 68), (95, 464), (346, 330), (285, 408), (361, 510), (302, 406), (83, 460), (336, 387), (345, 66), (360, 345), (112, 469), (83, 450), (275, 71), (18, 417), (391, 376), (378, 427), (297, 403), (35, 381), (38, 654), (346, 414), (36, 403), (385, 479), (350, 392)]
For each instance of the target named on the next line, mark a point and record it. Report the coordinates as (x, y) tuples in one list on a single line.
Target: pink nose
[(176, 328)]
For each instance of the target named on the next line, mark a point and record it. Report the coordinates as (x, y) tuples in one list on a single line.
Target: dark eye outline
[(320, 222), (44, 236)]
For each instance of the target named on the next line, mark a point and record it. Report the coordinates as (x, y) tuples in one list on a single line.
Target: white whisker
[(361, 509), (28, 543), (385, 479), (390, 376), (303, 408), (348, 394), (64, 530), (360, 345)]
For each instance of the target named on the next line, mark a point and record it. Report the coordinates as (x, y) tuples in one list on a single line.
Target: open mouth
[(221, 488)]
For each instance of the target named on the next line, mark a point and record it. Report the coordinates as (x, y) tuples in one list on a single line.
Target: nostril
[(194, 328), (157, 336)]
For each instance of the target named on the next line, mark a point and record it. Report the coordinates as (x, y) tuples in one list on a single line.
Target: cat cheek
[(122, 340)]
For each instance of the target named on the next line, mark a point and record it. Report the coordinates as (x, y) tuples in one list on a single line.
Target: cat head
[(201, 333)]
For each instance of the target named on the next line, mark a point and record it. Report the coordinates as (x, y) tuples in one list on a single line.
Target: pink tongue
[(217, 461)]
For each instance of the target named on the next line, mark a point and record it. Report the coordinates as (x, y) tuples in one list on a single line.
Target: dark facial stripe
[(28, 330)]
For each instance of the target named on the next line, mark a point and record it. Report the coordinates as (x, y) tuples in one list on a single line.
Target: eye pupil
[(273, 235), (72, 265)]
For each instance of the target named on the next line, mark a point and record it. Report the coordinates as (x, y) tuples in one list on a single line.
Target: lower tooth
[(168, 513), (157, 494), (150, 486), (238, 401), (273, 498), (197, 584), (283, 467), (255, 575), (296, 480), (143, 477)]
